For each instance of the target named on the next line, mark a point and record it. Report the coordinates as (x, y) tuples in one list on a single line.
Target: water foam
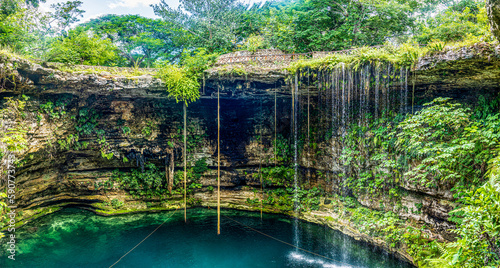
[(302, 258)]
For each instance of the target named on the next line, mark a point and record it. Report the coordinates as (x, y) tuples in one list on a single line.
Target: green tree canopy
[(141, 41), (82, 47), (467, 17), (212, 24)]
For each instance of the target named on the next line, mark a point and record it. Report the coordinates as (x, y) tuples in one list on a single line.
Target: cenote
[(78, 238), (122, 137)]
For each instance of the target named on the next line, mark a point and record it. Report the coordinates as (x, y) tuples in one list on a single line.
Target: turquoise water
[(79, 238)]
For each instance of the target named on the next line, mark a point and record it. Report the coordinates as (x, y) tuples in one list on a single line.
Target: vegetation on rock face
[(442, 146), (180, 85), (151, 182), (404, 55), (13, 115), (445, 146)]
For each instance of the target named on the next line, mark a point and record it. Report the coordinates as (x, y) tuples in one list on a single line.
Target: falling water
[(345, 96), (295, 163), (406, 91), (402, 105), (377, 88)]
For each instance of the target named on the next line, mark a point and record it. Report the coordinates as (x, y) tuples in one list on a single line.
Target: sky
[(96, 8)]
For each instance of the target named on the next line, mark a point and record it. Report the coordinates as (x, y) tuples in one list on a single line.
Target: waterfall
[(346, 96), (406, 91), (377, 88), (296, 201)]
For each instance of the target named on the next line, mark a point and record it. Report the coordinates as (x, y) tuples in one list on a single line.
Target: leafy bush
[(478, 228), (116, 204), (86, 121), (197, 61), (277, 176), (444, 144), (283, 149), (15, 138), (199, 168), (149, 183), (478, 244), (455, 25), (180, 83), (126, 130), (81, 47)]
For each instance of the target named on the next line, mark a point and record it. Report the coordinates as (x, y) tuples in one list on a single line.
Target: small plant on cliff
[(16, 136), (116, 204), (3, 211), (126, 130), (147, 130), (149, 183), (52, 111), (182, 84)]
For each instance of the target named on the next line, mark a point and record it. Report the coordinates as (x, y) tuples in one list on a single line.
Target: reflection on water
[(78, 238)]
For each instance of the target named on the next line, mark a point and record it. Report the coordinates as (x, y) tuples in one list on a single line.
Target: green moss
[(39, 212), (232, 70), (102, 70), (403, 55)]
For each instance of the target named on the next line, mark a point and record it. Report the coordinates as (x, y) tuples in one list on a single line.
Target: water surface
[(78, 238)]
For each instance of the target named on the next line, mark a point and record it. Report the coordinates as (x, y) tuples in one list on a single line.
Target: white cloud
[(45, 7), (95, 16), (132, 3)]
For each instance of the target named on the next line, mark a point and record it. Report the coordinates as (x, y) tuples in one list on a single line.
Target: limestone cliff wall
[(141, 124)]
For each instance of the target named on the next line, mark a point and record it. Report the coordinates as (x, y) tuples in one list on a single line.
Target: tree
[(17, 21), (140, 40), (65, 14), (28, 30), (212, 24), (493, 8), (465, 18), (82, 47), (327, 25)]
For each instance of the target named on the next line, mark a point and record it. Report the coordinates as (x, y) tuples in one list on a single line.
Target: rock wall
[(493, 10), (141, 124)]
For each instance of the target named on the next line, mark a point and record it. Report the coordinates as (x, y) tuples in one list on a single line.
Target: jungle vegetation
[(222, 26)]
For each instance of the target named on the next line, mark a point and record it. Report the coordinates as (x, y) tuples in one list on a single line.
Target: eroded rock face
[(140, 124), (458, 72), (493, 9)]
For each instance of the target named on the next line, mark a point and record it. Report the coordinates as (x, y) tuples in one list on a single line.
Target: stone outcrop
[(493, 10), (140, 123), (473, 67)]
